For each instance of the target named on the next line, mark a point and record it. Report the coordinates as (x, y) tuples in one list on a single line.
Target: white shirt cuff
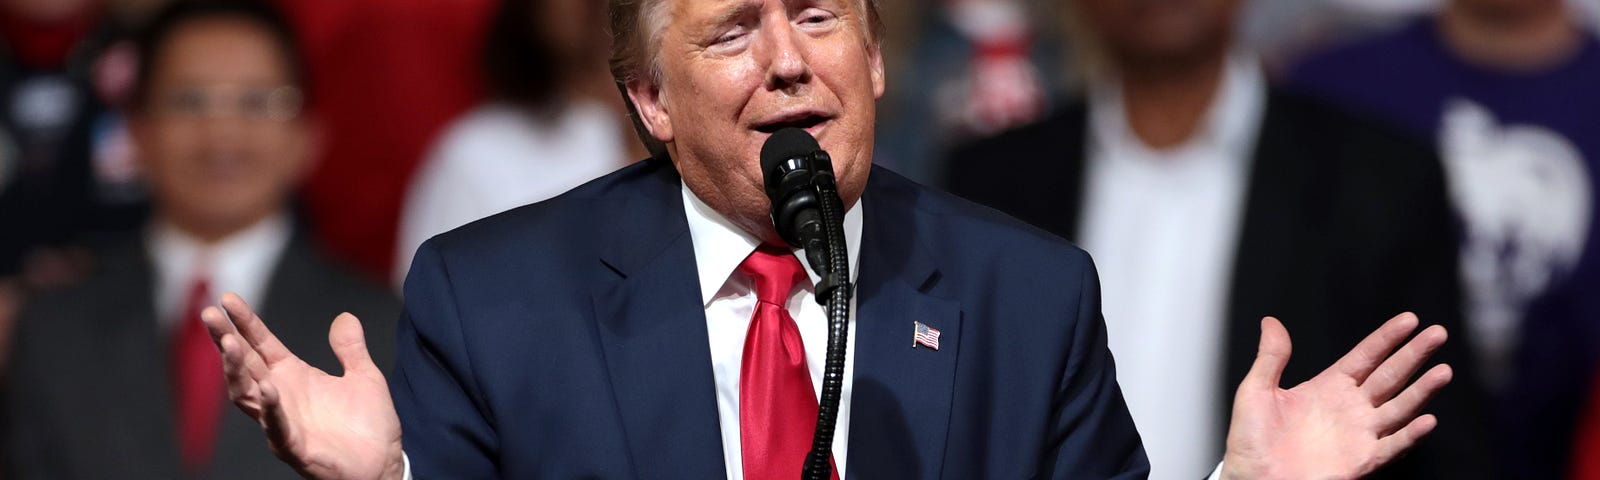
[(1215, 474), (407, 459)]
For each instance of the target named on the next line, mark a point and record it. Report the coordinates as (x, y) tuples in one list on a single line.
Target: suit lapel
[(1284, 236), (653, 330), (1045, 186), (901, 395)]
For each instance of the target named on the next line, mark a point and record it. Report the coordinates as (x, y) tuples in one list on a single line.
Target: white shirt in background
[(498, 157), (242, 263), (1163, 228)]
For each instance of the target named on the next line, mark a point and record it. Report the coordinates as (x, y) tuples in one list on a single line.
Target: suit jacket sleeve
[(1092, 433), (445, 423)]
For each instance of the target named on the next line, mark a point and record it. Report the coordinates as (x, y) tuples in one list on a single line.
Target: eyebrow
[(740, 8)]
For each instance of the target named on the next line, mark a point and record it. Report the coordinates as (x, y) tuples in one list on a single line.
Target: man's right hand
[(326, 427)]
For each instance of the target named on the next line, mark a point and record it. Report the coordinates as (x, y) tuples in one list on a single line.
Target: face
[(734, 71), (1161, 30), (220, 133), (45, 10), (1509, 8)]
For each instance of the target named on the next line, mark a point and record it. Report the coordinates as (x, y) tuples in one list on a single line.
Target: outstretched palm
[(324, 426), (1344, 423)]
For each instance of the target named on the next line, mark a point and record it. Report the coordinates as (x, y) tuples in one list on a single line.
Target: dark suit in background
[(1344, 226), (90, 386), (568, 339)]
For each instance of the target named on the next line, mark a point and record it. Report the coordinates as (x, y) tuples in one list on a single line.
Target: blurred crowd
[(1329, 162)]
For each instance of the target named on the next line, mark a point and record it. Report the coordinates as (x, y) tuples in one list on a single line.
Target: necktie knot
[(775, 272), (777, 404)]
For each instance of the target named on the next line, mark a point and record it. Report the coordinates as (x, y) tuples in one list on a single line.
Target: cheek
[(719, 90), (168, 149)]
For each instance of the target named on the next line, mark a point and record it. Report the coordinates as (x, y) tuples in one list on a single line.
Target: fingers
[(1396, 371), (217, 324), (1271, 356), (1404, 407), (242, 367), (1392, 446), (273, 419), (243, 370), (1368, 354), (220, 329), (350, 344), (254, 331)]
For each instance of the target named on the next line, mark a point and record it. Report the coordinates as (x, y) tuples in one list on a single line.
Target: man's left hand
[(1354, 417)]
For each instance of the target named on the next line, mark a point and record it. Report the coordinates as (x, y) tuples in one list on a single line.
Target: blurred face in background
[(46, 10), (1155, 32), (734, 71), (220, 131), (1510, 8)]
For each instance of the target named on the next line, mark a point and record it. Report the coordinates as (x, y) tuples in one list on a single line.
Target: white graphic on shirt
[(1525, 197)]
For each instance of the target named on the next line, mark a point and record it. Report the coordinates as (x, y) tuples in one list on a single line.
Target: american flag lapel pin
[(926, 336)]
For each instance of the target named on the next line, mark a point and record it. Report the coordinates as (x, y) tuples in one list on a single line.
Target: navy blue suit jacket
[(567, 339)]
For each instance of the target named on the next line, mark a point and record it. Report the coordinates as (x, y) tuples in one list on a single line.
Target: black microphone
[(808, 213), (793, 166)]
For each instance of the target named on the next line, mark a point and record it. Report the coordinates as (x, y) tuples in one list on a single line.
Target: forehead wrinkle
[(734, 9)]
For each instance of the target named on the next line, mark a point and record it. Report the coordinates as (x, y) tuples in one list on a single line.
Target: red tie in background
[(777, 406), (196, 381)]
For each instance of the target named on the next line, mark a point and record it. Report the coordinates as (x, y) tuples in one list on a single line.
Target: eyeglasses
[(257, 104)]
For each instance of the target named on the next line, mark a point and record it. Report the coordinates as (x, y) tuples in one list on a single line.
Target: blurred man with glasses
[(218, 120)]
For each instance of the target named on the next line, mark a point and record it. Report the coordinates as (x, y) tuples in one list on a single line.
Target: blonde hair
[(636, 27)]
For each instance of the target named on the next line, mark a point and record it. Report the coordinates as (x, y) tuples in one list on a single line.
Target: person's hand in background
[(323, 426), (1346, 422)]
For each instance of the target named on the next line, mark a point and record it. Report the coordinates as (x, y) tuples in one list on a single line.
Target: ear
[(651, 103), (875, 57)]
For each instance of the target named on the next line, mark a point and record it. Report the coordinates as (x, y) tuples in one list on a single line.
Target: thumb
[(349, 343), (1271, 357)]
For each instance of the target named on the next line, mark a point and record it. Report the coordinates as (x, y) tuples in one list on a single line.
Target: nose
[(224, 130), (787, 68)]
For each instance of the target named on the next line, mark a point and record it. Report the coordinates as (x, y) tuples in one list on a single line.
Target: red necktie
[(197, 381), (777, 406)]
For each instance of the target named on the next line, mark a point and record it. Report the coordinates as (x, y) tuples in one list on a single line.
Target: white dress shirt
[(1163, 225), (242, 263), (730, 301)]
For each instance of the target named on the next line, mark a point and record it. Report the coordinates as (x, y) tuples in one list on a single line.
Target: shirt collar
[(1230, 124), (719, 246), (241, 262)]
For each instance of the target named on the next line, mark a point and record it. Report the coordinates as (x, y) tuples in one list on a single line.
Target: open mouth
[(803, 121)]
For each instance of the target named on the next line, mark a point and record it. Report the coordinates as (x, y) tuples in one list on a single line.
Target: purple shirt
[(1522, 150)]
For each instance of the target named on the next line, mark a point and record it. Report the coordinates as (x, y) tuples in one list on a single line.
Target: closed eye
[(735, 34), (815, 16), (816, 19), (730, 41)]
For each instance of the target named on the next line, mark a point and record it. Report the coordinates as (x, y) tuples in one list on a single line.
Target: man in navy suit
[(651, 324)]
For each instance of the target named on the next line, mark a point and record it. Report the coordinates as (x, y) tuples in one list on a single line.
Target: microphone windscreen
[(785, 144)]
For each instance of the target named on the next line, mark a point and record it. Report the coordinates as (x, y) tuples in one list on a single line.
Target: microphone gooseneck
[(808, 213)]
